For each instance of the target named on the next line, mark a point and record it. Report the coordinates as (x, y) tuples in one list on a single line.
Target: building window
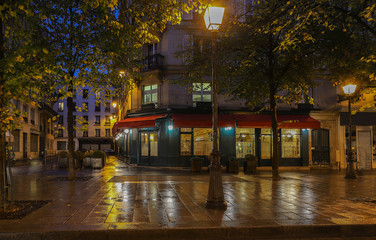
[(290, 143), (17, 104), (85, 107), (60, 133), (186, 141), (97, 94), (149, 144), (86, 119), (25, 112), (97, 132), (61, 145), (61, 119), (74, 132), (108, 132), (266, 143), (32, 116), (85, 93), (150, 94), (107, 122), (201, 92), (202, 141), (61, 107), (85, 133), (107, 107), (74, 120), (97, 120), (245, 142), (97, 106)]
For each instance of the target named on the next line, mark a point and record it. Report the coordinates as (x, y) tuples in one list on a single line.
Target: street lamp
[(350, 173), (213, 19)]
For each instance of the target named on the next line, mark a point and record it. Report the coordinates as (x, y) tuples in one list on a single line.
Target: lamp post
[(213, 19), (350, 172)]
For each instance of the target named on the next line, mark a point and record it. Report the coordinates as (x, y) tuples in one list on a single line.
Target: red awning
[(201, 120), (285, 121), (136, 122)]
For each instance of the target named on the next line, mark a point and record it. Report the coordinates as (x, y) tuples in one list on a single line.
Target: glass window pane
[(203, 141), (245, 142), (153, 144), (266, 146), (154, 87), (144, 145), (266, 131), (206, 87), (185, 144), (290, 143), (196, 98), (196, 87), (154, 97), (146, 88), (185, 129), (147, 98), (206, 97)]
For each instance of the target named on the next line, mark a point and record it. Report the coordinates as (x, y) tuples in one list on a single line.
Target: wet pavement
[(148, 198)]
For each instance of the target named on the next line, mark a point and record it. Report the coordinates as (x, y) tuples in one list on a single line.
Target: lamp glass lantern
[(213, 17), (349, 89)]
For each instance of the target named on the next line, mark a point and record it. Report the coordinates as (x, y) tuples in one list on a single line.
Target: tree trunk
[(2, 170), (72, 173), (275, 160), (2, 104)]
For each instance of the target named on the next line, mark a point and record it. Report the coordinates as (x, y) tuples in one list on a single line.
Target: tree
[(264, 59), (93, 40), (23, 65), (350, 34)]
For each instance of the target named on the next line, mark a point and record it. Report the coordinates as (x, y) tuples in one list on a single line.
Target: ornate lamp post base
[(215, 194)]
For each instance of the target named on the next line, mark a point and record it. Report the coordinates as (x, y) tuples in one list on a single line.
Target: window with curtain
[(290, 142), (202, 141), (245, 142), (266, 143)]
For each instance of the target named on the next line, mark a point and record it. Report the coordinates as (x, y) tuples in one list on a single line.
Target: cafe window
[(97, 132), (186, 141), (266, 143), (245, 142), (291, 143), (202, 141)]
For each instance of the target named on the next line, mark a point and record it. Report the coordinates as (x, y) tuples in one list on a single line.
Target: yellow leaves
[(19, 59), (45, 51)]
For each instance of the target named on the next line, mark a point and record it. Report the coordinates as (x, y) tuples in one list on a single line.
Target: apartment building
[(93, 119), (34, 135)]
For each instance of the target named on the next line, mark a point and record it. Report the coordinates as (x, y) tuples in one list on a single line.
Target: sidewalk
[(142, 203)]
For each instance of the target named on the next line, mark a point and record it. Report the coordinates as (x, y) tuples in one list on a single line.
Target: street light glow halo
[(349, 89), (213, 17)]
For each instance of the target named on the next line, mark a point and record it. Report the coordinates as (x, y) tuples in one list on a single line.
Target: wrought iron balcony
[(152, 62)]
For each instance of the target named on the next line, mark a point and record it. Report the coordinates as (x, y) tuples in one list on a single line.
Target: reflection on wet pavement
[(134, 197)]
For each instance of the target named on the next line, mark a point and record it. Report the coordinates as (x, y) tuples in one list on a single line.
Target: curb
[(211, 233)]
